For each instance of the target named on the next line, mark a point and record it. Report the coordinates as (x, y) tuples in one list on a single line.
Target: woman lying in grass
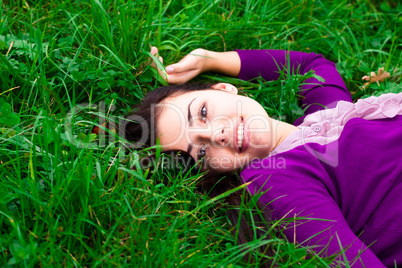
[(337, 168)]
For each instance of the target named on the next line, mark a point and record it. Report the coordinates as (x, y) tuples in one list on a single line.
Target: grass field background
[(71, 198)]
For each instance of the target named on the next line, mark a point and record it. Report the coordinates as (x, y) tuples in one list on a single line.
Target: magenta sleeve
[(322, 225), (314, 94)]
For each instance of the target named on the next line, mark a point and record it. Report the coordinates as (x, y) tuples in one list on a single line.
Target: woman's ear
[(226, 87)]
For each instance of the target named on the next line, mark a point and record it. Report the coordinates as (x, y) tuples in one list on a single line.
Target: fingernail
[(169, 69)]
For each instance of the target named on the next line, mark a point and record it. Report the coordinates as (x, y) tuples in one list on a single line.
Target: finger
[(170, 69), (154, 50), (180, 67), (186, 64), (156, 67), (181, 78)]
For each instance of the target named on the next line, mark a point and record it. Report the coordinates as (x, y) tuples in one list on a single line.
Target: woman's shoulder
[(326, 126), (383, 106)]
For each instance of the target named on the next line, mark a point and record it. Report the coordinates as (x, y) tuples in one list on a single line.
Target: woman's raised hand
[(186, 69)]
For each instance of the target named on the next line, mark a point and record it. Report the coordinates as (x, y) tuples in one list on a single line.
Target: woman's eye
[(201, 153), (203, 113)]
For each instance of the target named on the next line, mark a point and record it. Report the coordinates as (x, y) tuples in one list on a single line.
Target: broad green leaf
[(82, 137), (13, 119), (114, 96), (103, 84), (5, 110)]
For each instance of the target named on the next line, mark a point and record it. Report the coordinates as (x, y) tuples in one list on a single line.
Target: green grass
[(71, 198)]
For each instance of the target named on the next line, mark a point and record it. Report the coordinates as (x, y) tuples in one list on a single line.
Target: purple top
[(326, 170)]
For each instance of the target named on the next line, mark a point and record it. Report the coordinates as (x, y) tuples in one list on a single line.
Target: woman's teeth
[(240, 131)]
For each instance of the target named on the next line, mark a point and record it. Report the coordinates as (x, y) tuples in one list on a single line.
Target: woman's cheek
[(222, 163)]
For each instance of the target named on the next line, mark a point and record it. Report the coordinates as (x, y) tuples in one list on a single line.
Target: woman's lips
[(246, 137)]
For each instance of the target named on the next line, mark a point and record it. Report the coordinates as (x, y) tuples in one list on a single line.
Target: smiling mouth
[(240, 135)]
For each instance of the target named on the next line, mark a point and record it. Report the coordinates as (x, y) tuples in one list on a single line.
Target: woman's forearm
[(227, 63)]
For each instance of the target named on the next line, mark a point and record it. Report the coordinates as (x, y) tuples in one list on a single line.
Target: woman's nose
[(215, 136)]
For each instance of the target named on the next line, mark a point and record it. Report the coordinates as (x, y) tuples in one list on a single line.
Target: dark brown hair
[(212, 183)]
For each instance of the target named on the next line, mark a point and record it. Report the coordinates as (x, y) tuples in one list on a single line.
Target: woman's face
[(218, 127)]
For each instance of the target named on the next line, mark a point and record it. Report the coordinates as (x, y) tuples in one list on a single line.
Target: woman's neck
[(280, 131)]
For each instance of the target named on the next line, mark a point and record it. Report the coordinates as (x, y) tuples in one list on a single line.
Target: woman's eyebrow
[(190, 123), (189, 116)]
